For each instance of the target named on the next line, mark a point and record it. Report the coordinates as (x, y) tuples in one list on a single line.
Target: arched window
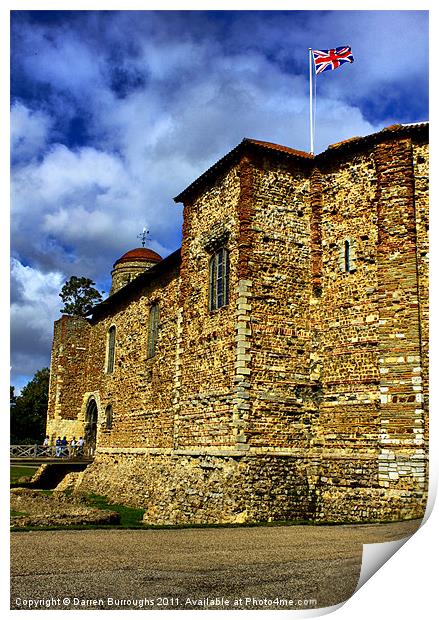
[(109, 416), (111, 345), (219, 279), (153, 329)]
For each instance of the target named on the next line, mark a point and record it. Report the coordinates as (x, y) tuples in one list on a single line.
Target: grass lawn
[(129, 517), (17, 471)]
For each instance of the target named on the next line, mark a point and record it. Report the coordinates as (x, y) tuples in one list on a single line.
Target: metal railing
[(37, 451)]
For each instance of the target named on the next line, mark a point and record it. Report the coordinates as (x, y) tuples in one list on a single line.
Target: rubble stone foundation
[(228, 487)]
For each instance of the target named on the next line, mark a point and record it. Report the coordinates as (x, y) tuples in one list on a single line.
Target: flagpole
[(311, 124)]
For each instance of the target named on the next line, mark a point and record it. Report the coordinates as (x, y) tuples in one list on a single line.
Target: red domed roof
[(140, 254)]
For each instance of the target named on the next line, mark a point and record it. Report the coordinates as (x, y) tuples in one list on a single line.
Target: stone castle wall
[(421, 200), (401, 408), (197, 487), (231, 487), (304, 397), (346, 310), (282, 395), (139, 390), (68, 370), (207, 339)]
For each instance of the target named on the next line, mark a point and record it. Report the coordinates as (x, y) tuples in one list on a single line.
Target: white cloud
[(29, 131), (35, 305), (35, 288), (161, 96), (61, 56), (78, 210), (164, 58), (64, 173)]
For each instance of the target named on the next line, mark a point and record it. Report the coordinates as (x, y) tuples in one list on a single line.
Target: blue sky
[(115, 112)]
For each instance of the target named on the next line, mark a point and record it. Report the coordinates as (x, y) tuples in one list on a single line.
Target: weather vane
[(144, 235)]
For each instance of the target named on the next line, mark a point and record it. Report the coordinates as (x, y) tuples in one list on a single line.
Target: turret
[(131, 265)]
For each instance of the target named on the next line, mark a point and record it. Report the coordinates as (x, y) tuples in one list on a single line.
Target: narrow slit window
[(347, 256), (153, 329), (219, 279), (109, 416), (111, 348)]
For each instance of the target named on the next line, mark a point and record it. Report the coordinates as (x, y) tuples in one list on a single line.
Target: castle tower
[(131, 265)]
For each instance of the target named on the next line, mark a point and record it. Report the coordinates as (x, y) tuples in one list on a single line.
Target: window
[(153, 329), (109, 416), (347, 256), (111, 348), (219, 279)]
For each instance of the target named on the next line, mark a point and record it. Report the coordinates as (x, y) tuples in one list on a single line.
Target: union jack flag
[(328, 60)]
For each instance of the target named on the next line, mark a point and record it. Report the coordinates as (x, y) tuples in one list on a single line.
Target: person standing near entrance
[(64, 446), (58, 446), (90, 448), (80, 447), (73, 447), (46, 444)]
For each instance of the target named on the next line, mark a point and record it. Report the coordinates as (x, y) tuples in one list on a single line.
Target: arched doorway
[(91, 425)]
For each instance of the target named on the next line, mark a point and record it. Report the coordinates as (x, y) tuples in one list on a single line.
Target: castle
[(275, 367)]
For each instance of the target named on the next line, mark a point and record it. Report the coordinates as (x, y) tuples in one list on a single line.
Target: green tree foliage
[(12, 397), (29, 409), (79, 296)]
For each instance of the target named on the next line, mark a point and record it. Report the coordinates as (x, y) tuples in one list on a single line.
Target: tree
[(79, 296), (29, 410)]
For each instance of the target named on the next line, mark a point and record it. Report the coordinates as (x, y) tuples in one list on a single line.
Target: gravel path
[(303, 566)]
